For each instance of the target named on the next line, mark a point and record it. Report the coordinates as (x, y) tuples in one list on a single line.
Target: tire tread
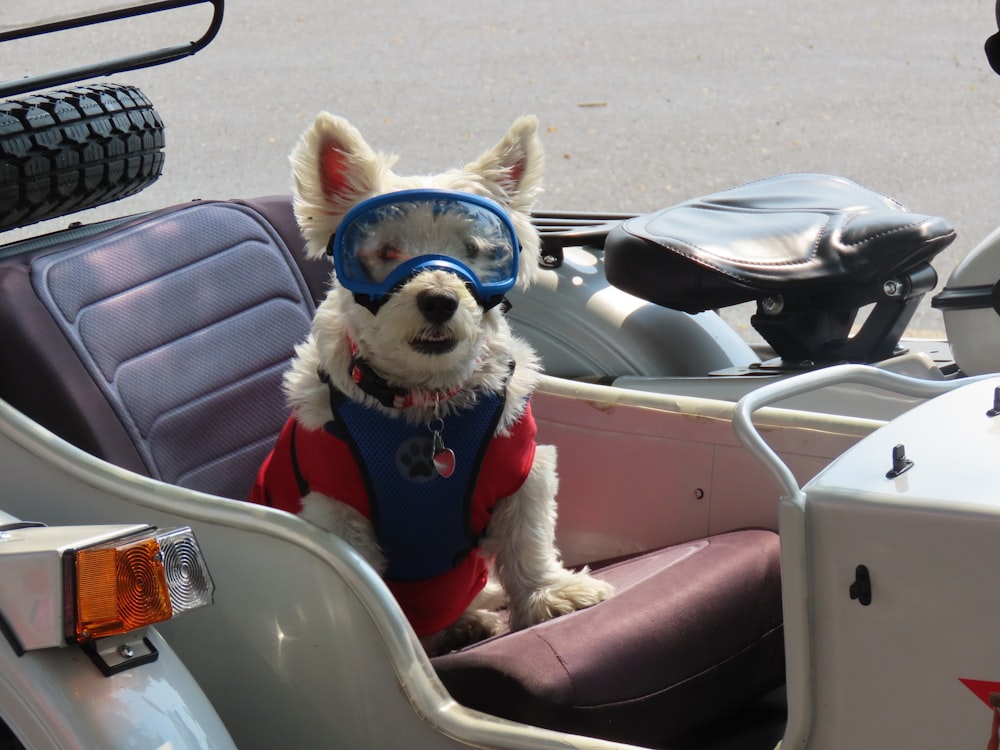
[(73, 149)]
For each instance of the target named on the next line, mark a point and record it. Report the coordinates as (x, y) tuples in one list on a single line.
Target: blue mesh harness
[(422, 520)]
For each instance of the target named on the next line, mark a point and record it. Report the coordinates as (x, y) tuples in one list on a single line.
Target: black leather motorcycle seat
[(793, 234)]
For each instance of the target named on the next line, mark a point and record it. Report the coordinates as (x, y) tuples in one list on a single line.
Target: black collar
[(391, 396), (376, 386)]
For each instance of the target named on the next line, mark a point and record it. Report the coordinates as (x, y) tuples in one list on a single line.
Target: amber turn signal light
[(125, 584)]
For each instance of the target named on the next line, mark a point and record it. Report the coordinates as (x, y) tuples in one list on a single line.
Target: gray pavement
[(642, 103)]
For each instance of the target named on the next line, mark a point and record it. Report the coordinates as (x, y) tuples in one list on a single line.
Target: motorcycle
[(141, 385)]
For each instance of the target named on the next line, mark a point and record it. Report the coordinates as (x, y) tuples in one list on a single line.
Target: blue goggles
[(385, 240)]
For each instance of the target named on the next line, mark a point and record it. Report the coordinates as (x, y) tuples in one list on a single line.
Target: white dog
[(412, 436)]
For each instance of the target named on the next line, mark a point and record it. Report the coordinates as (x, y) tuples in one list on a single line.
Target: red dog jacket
[(428, 525)]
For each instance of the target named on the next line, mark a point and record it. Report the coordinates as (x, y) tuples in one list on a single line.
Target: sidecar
[(141, 384)]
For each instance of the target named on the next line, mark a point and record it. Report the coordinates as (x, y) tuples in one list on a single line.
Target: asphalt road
[(642, 103)]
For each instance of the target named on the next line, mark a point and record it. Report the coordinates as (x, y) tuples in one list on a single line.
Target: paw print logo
[(415, 461)]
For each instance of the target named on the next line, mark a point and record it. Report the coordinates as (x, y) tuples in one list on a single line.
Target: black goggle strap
[(374, 304)]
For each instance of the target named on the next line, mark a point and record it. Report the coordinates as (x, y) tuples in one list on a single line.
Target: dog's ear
[(512, 170), (333, 168), (511, 174)]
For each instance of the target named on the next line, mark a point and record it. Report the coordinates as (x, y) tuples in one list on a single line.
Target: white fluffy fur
[(333, 170)]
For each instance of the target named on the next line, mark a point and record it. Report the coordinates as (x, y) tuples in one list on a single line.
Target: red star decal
[(983, 690)]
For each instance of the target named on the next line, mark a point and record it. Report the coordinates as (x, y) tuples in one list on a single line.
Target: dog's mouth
[(433, 342)]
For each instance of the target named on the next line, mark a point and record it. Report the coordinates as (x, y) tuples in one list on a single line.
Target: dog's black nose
[(437, 307)]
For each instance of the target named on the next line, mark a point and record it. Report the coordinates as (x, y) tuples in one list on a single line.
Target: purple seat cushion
[(158, 343), (693, 634)]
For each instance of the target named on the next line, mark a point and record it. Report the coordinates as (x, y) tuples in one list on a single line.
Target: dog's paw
[(492, 597), (572, 592), (473, 626)]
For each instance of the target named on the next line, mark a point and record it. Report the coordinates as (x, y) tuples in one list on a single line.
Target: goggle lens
[(384, 240)]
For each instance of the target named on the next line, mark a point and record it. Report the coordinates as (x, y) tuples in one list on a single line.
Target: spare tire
[(68, 150)]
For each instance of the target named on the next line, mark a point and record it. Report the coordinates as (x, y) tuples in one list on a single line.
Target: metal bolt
[(772, 305), (125, 651), (699, 493), (892, 288)]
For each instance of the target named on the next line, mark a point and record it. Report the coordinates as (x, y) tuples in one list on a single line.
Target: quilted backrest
[(183, 323)]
